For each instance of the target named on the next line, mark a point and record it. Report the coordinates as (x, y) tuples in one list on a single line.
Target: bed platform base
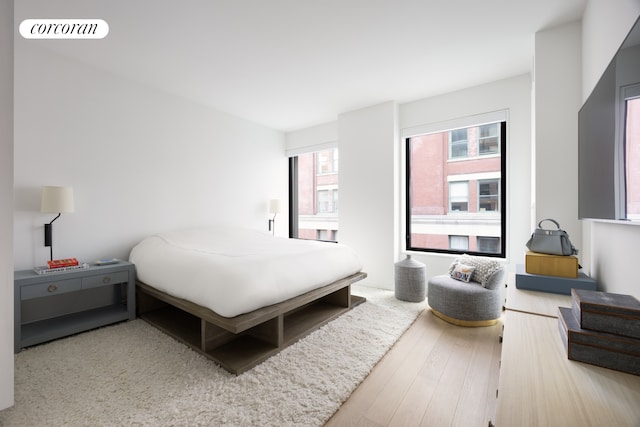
[(242, 342)]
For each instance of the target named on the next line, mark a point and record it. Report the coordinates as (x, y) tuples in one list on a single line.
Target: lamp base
[(47, 234)]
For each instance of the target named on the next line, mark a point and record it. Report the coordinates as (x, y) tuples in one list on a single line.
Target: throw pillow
[(462, 272), (484, 267)]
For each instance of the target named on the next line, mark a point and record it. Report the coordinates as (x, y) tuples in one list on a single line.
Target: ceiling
[(291, 64)]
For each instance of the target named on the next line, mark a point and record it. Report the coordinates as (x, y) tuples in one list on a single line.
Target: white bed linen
[(234, 271)]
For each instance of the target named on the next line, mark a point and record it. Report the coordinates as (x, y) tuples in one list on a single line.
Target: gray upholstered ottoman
[(467, 304), (410, 278)]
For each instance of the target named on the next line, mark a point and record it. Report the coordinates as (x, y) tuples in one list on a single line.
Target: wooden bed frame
[(242, 342)]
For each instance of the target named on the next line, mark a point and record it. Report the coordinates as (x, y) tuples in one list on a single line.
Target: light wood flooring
[(436, 374)]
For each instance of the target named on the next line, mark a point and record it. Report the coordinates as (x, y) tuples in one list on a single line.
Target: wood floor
[(437, 374)]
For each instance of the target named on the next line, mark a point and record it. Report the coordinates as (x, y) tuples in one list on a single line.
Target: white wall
[(140, 161), (6, 207), (557, 101), (604, 28), (613, 246), (367, 139)]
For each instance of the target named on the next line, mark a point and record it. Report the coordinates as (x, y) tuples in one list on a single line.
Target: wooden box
[(598, 348), (606, 312), (551, 265), (556, 285)]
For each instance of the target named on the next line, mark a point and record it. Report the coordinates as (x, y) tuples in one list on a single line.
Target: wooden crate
[(598, 348), (551, 265), (606, 312)]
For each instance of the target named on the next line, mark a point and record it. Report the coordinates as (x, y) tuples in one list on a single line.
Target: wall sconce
[(274, 208), (55, 200)]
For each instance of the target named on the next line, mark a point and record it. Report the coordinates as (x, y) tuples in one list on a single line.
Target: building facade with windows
[(317, 195)]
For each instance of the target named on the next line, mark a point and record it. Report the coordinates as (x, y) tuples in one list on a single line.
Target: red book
[(67, 262)]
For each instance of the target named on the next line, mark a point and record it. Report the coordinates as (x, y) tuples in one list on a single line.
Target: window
[(323, 201), (313, 195), (327, 161), (458, 143), (460, 243), (489, 245), (489, 195), (328, 235), (455, 189), (488, 139), (459, 196)]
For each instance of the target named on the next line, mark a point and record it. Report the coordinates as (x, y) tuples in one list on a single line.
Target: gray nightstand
[(54, 305)]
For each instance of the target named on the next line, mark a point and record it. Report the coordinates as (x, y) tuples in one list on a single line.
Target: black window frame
[(293, 197), (502, 199), (293, 203)]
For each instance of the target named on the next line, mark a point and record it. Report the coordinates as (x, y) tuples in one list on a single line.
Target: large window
[(313, 194), (456, 180)]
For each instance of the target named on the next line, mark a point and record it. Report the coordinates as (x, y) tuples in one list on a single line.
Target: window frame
[(466, 200), (482, 197), (481, 139), (628, 186), (502, 196), (458, 143), (485, 239), (330, 189), (460, 237), (293, 197)]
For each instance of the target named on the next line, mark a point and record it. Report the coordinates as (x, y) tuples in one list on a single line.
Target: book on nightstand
[(59, 263), (46, 270), (107, 261)]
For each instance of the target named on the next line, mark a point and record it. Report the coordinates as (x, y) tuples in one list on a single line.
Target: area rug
[(131, 374)]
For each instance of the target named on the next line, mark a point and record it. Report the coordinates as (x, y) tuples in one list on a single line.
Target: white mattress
[(234, 271)]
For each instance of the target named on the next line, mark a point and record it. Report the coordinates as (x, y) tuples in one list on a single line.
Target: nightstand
[(54, 305)]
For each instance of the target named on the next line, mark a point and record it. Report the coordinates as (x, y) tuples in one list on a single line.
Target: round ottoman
[(465, 304)]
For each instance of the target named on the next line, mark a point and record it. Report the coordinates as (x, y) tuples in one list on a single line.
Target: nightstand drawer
[(50, 288), (107, 279)]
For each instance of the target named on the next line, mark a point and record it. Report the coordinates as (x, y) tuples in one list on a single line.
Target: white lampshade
[(274, 206), (57, 199)]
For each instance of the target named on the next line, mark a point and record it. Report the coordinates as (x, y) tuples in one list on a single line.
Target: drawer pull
[(52, 287), (106, 279)]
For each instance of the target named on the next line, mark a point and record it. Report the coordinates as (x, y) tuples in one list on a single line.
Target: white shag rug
[(131, 374)]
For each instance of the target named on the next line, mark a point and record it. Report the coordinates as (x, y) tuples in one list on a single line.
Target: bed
[(240, 296)]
